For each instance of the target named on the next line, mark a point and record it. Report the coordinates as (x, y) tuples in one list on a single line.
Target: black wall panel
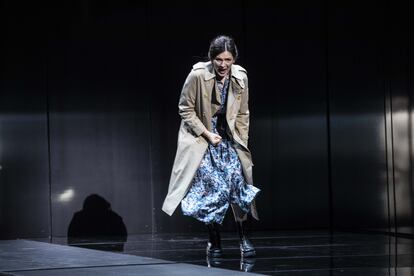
[(400, 71), (286, 57), (357, 91), (24, 177), (99, 115)]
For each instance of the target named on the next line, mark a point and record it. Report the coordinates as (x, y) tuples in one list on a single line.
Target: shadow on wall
[(97, 226)]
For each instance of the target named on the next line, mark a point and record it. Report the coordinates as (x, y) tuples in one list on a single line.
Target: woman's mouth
[(222, 71)]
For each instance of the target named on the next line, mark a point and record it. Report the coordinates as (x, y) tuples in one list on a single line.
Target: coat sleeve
[(243, 116), (186, 106)]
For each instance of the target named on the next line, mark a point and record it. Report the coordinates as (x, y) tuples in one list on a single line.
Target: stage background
[(89, 94)]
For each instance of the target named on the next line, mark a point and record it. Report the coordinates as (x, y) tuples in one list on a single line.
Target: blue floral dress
[(219, 181)]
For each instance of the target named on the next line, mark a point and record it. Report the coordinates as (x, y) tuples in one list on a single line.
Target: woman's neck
[(222, 79)]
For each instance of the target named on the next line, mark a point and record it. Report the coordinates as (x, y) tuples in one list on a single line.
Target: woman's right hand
[(213, 138)]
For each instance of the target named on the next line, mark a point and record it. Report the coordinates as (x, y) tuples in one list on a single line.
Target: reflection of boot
[(246, 247), (247, 265), (214, 243), (213, 262)]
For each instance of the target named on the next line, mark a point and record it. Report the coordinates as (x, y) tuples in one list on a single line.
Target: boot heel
[(246, 247)]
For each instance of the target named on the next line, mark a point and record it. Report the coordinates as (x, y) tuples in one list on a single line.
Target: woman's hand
[(213, 138)]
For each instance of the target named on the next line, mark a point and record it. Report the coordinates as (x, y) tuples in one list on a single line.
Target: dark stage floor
[(279, 253)]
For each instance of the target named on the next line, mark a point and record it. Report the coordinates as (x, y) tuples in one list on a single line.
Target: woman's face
[(222, 64)]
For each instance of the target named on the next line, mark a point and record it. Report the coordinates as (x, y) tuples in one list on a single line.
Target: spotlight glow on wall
[(66, 195)]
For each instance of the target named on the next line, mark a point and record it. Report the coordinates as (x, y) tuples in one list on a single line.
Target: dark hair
[(221, 44)]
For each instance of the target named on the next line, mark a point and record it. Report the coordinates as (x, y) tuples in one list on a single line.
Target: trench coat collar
[(209, 73)]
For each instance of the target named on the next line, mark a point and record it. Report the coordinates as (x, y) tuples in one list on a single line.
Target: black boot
[(214, 242), (246, 247)]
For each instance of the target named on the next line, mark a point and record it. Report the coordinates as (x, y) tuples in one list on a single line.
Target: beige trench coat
[(195, 111)]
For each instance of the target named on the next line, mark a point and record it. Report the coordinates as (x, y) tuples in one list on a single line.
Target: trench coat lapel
[(209, 87), (209, 77), (235, 90), (233, 94), (209, 73)]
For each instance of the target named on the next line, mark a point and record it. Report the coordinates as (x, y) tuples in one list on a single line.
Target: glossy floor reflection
[(280, 253)]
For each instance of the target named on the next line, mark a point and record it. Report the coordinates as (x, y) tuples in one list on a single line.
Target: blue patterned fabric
[(219, 181)]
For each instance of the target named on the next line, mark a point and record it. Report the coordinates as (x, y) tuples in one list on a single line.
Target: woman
[(213, 167)]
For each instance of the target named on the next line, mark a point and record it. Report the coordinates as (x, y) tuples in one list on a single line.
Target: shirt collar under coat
[(235, 72)]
